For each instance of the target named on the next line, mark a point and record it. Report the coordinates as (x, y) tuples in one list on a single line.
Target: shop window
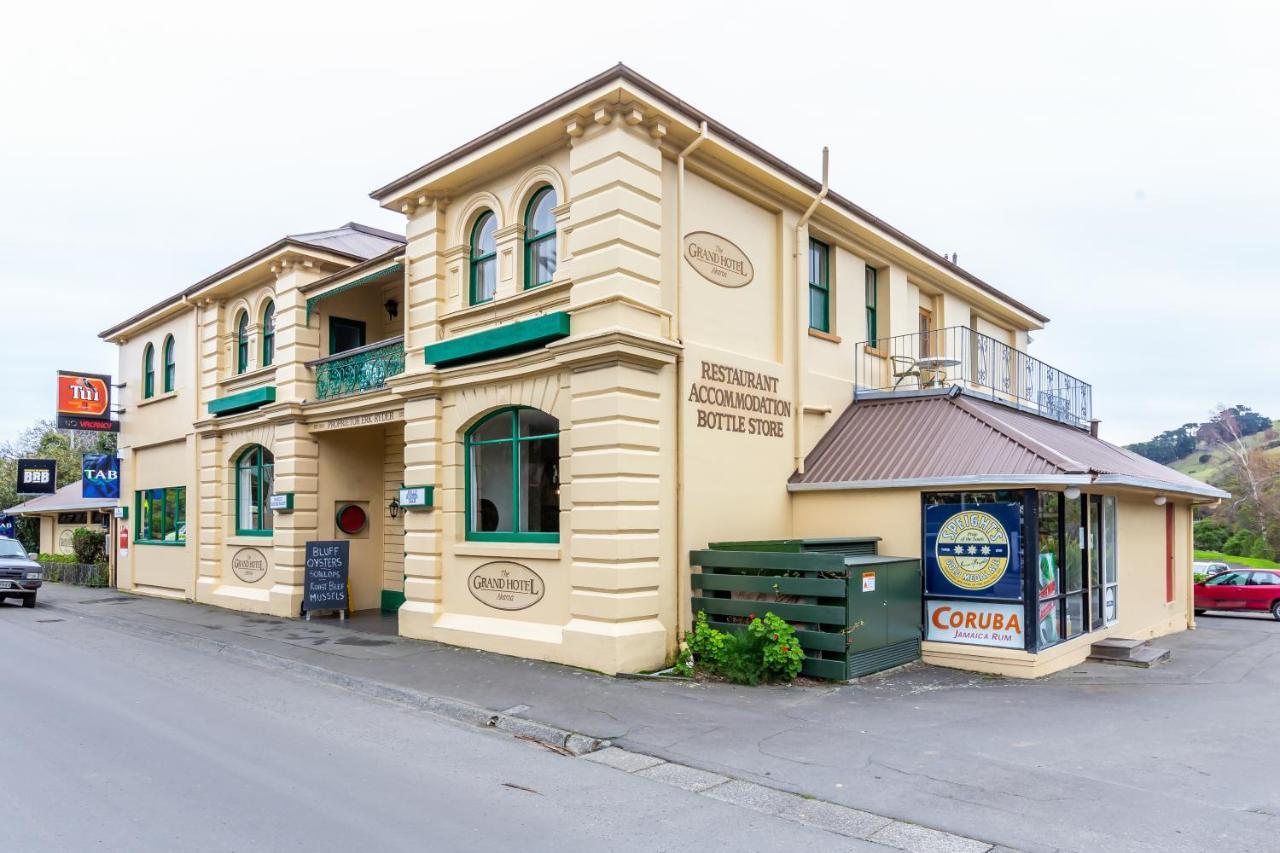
[(1073, 566), (1049, 570), (1110, 576), (148, 372), (242, 342), (873, 306), (170, 364), (345, 334), (255, 474), (513, 477), (268, 334), (484, 258), (819, 286), (162, 516), (540, 239)]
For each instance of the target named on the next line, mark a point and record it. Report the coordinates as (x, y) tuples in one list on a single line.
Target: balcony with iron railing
[(959, 357), (355, 371)]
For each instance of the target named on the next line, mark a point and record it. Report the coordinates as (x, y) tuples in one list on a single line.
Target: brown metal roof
[(950, 439), (644, 84), (67, 499)]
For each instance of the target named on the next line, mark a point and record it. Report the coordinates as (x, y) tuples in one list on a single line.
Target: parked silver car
[(20, 576)]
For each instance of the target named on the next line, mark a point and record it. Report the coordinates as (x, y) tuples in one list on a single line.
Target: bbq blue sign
[(100, 477), (973, 550)]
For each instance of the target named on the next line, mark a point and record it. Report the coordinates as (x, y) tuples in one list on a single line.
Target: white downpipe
[(801, 258), (683, 593)]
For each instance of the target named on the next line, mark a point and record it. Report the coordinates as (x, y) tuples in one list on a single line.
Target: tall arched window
[(484, 258), (540, 238), (268, 334), (170, 364), (255, 474), (513, 477), (148, 372), (242, 342)]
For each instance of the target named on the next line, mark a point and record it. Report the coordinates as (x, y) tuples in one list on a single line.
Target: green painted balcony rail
[(357, 370)]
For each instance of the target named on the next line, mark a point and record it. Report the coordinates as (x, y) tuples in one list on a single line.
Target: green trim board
[(243, 401), (514, 337), (395, 269), (391, 600)]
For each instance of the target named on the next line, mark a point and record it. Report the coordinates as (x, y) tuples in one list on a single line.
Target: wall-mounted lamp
[(1161, 500), (393, 309), (1072, 493), (394, 507)]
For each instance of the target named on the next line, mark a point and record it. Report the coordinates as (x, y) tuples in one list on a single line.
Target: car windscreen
[(11, 548)]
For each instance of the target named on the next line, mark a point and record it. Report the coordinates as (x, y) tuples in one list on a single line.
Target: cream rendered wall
[(156, 449), (1140, 546), (352, 471), (392, 528), (891, 514)]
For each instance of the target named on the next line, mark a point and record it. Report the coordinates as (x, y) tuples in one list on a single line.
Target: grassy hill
[(1208, 469)]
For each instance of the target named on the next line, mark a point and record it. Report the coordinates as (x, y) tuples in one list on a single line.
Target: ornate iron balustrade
[(959, 356), (356, 370)]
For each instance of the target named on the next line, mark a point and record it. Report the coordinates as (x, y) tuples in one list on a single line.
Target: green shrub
[(1210, 535), (89, 545), (56, 558), (767, 650), (1240, 542)]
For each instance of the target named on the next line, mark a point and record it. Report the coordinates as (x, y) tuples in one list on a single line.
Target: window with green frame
[(170, 364), (819, 286), (484, 258), (540, 239), (873, 302), (255, 475), (149, 372), (268, 334), (242, 342), (513, 477), (162, 516)]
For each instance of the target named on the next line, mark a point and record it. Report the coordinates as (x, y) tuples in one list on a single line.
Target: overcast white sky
[(1114, 165)]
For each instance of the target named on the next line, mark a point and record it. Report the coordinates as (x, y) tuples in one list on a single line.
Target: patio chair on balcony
[(904, 367)]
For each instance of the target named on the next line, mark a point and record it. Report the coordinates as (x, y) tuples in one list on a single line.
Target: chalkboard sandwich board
[(324, 585)]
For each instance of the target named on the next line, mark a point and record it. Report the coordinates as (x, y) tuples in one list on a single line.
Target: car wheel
[(1275, 609), (30, 601), (1199, 612)]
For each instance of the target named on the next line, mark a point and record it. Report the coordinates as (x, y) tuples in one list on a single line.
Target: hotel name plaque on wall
[(506, 586), (718, 260)]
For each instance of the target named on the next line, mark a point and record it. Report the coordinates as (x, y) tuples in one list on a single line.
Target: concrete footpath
[(1102, 757)]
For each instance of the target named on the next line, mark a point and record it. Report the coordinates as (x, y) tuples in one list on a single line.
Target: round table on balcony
[(935, 365)]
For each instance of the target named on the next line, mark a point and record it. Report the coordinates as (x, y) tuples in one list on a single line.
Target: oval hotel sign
[(718, 260), (249, 565), (506, 586)]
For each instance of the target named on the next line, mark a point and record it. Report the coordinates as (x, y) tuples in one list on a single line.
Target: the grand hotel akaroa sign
[(736, 400), (718, 260)]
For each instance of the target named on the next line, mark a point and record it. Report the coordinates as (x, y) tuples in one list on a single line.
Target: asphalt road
[(116, 742)]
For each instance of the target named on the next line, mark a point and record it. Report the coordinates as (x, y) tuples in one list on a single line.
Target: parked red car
[(1256, 590)]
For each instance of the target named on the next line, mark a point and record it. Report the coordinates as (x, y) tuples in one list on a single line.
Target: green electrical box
[(854, 612)]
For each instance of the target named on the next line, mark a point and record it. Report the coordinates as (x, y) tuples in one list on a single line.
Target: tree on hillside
[(1169, 445), (44, 440), (1252, 477)]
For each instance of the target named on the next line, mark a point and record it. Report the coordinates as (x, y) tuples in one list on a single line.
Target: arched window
[(540, 238), (484, 258), (170, 365), (242, 342), (254, 478), (513, 477), (268, 334), (148, 372)]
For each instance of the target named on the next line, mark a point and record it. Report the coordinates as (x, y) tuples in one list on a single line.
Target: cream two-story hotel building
[(611, 332)]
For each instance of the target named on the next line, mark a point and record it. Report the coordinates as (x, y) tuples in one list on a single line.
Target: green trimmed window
[(149, 372), (170, 364), (819, 286), (873, 307), (268, 334), (255, 475), (513, 477), (162, 516), (242, 342), (540, 239), (484, 258)]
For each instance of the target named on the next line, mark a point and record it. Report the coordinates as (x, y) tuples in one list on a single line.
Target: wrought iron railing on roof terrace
[(959, 356), (363, 369)]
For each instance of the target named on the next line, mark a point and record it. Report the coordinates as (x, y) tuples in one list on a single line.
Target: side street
[(1096, 757)]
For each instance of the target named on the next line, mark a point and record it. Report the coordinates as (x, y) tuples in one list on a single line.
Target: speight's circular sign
[(972, 550)]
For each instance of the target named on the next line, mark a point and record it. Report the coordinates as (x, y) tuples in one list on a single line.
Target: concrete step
[(1143, 656), (1115, 648)]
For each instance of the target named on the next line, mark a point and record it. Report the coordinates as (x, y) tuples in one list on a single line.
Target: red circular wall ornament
[(351, 519)]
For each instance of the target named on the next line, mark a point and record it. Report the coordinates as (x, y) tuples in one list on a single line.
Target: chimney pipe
[(1093, 427)]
